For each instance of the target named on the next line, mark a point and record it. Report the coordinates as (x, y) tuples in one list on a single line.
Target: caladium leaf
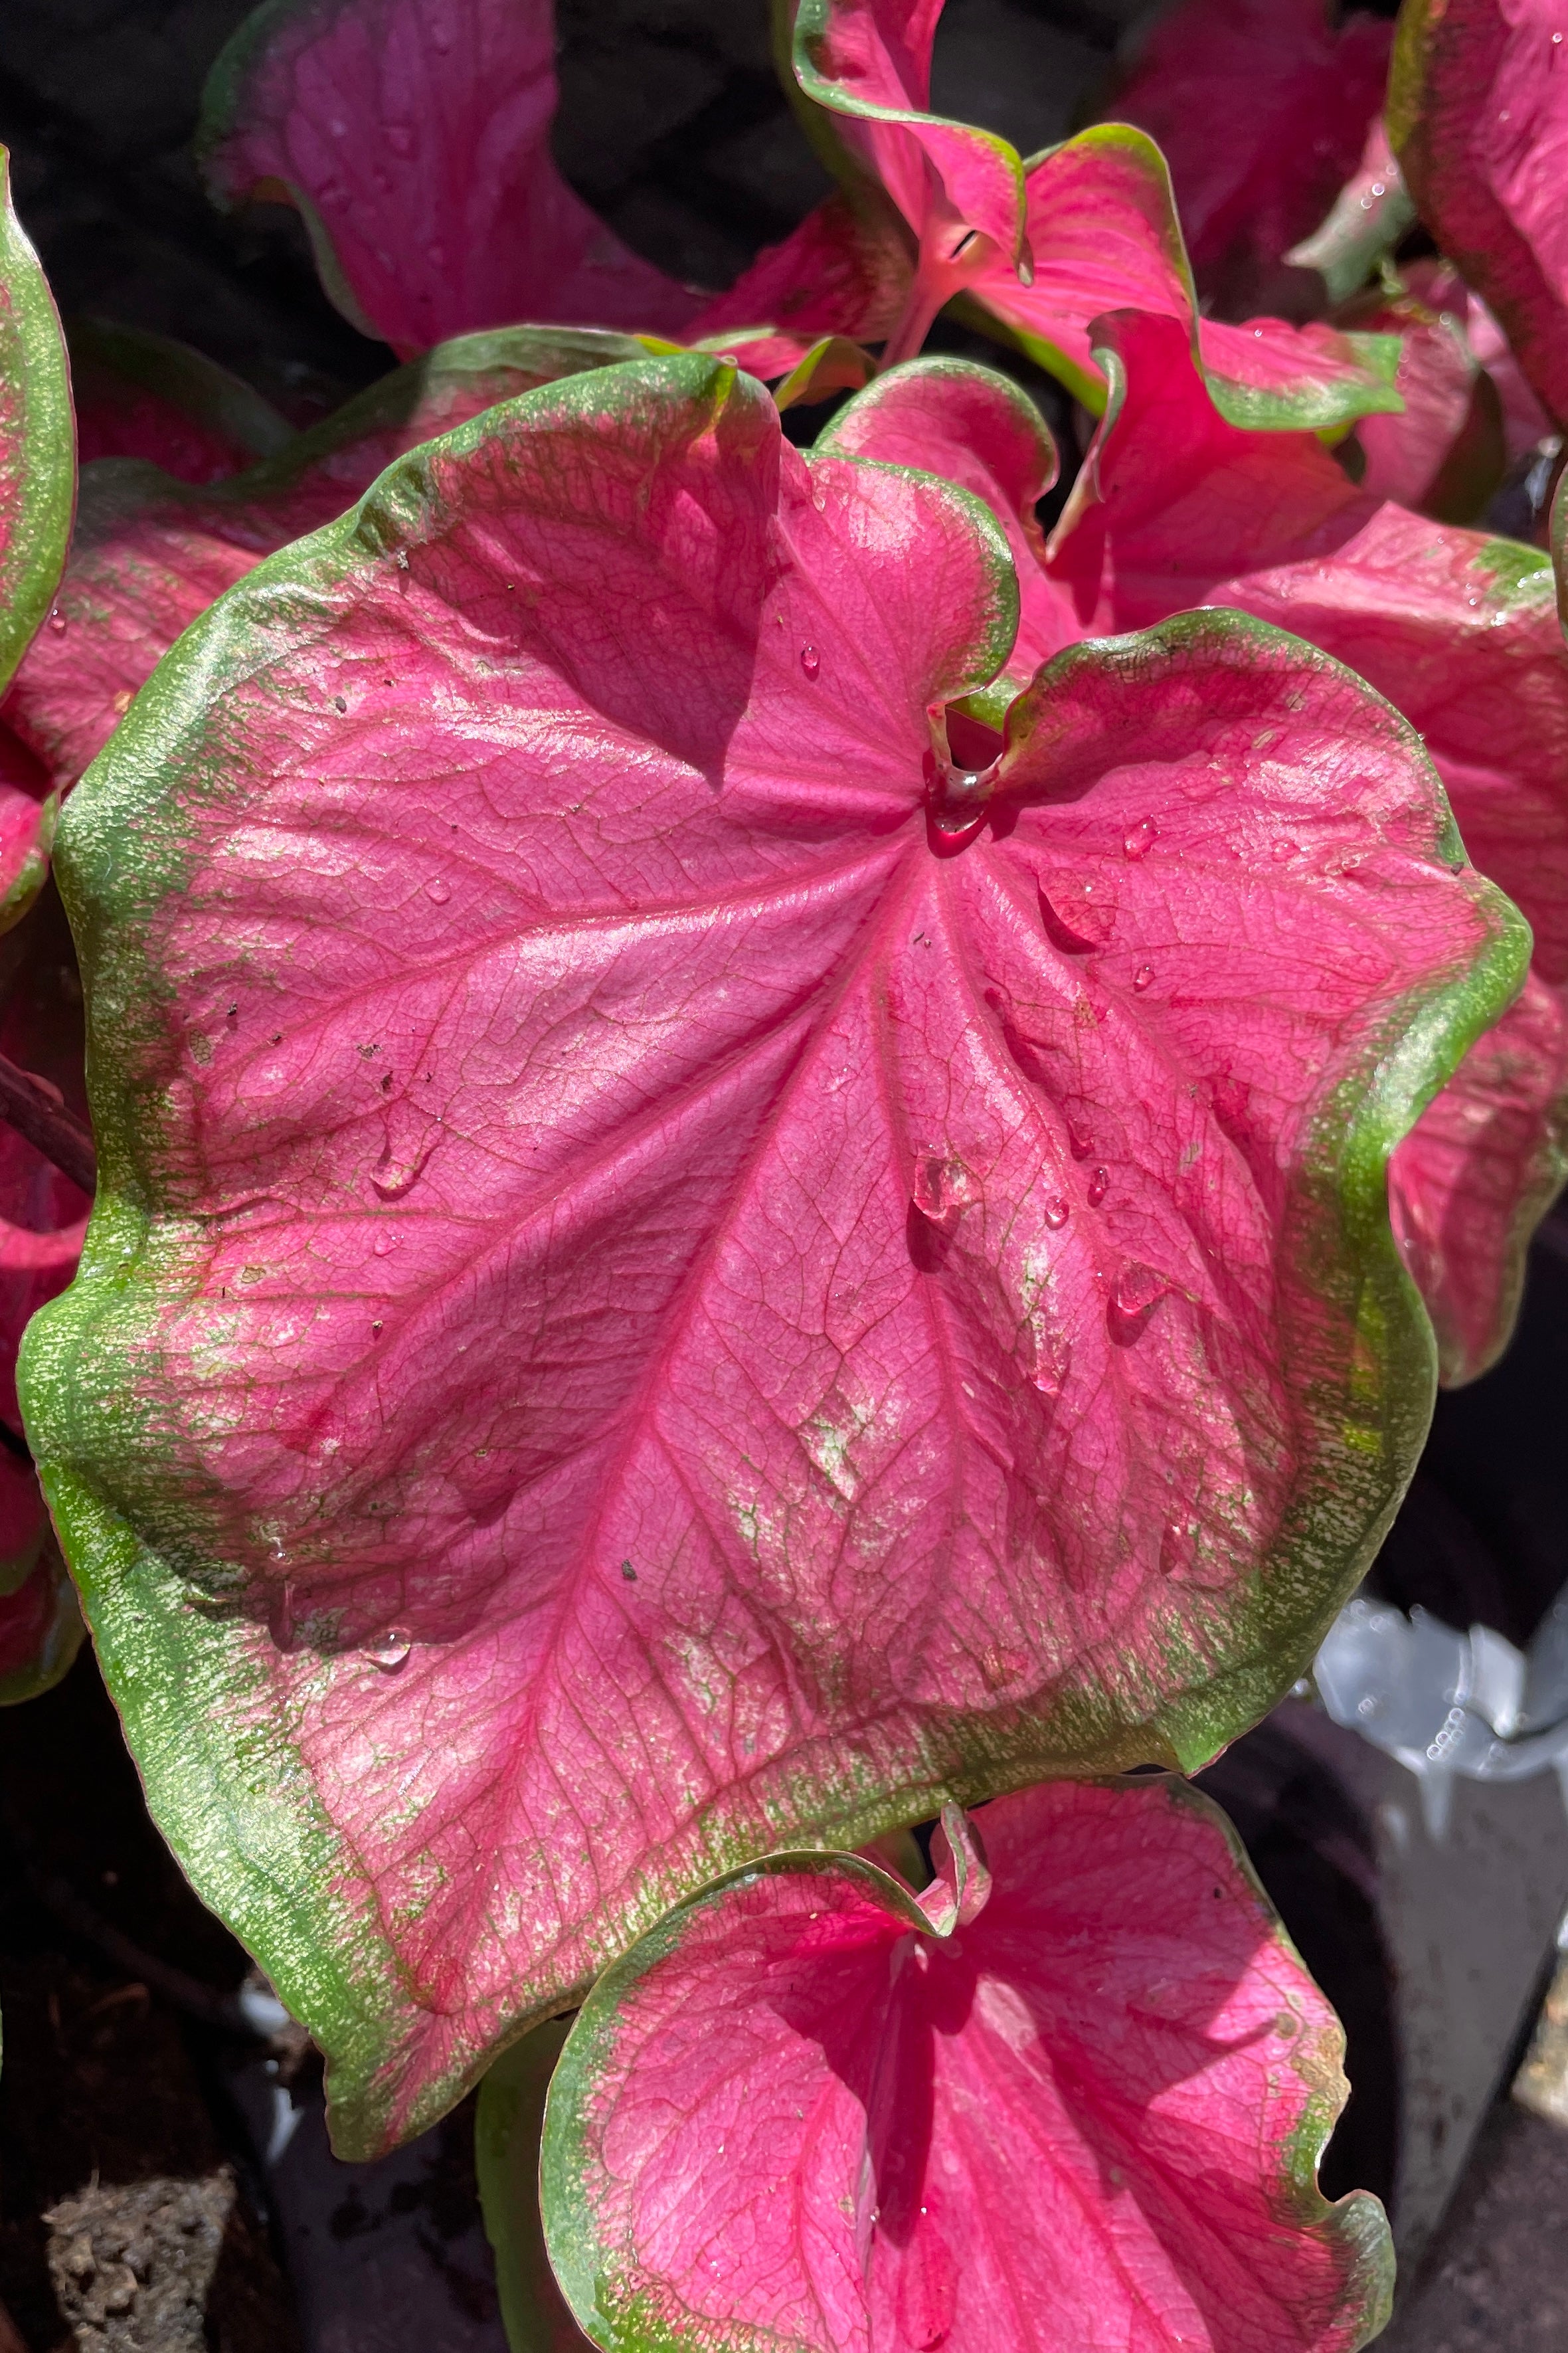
[(846, 271), (1478, 1172), (618, 1159), (43, 1217), (414, 137), (149, 553), (1477, 107), (799, 2112), (1365, 222), (1096, 230), (507, 2123), (1261, 109), (40, 1630), (140, 394), (37, 490)]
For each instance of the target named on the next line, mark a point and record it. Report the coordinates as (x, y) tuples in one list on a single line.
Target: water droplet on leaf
[(58, 621), (1099, 1186), (438, 890), (1142, 976), (1055, 1209), (810, 660), (389, 1651), (1139, 839), (1136, 1291)]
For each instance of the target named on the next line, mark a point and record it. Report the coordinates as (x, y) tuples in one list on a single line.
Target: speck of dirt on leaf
[(628, 1572)]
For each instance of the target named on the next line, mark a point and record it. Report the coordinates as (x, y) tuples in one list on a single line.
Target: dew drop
[(401, 139), (438, 890), (1099, 1186), (1139, 839), (1142, 976), (389, 1651), (58, 621), (810, 660), (1137, 1289), (1055, 1211), (1081, 1140), (384, 1244)]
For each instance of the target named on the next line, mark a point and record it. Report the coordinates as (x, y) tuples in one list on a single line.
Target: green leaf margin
[(35, 376)]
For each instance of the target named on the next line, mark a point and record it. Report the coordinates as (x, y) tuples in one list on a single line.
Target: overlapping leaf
[(1042, 249), (670, 1270), (1261, 109), (140, 394), (414, 137), (37, 478), (42, 1219), (1477, 115), (1080, 2102), (150, 553), (1176, 508)]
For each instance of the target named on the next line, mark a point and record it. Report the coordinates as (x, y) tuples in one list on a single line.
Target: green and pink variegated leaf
[(1073, 2096), (1446, 454), (1478, 115), (1261, 109), (140, 394), (673, 1271), (414, 137), (37, 492), (1096, 230), (150, 553)]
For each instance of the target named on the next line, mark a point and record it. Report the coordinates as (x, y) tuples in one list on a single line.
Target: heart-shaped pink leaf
[(671, 1270), (139, 395), (1477, 113), (1099, 231), (617, 1161), (150, 552), (799, 2113), (414, 136), (1261, 109)]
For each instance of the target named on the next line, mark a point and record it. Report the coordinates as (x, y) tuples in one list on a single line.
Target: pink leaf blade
[(1105, 236), (150, 553), (763, 2123), (140, 394), (626, 1197), (867, 64), (846, 270), (1477, 101), (1477, 1173), (414, 137), (37, 441)]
